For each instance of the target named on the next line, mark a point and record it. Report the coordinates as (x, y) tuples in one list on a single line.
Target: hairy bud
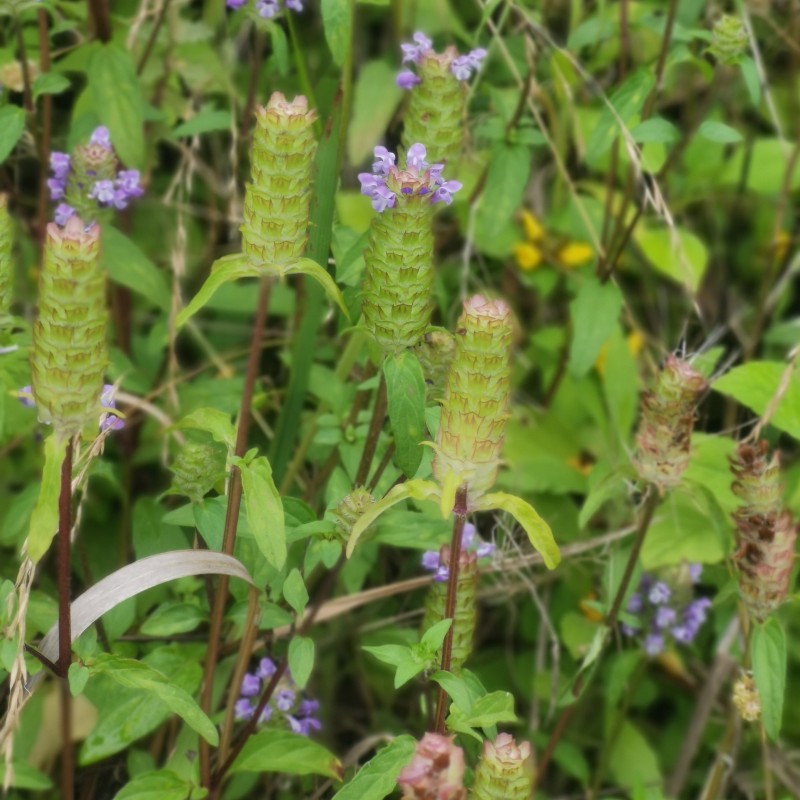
[(436, 771), (505, 771)]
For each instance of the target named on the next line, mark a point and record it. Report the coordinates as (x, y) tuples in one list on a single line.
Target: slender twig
[(460, 511), (101, 17), (373, 434), (381, 468), (232, 515), (65, 622), (151, 40)]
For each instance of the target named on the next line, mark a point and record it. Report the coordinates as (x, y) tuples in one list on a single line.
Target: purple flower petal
[(267, 9), (664, 616), (407, 79), (266, 668), (101, 136), (659, 593), (63, 214), (384, 160), (284, 699), (430, 560), (251, 685), (415, 158), (243, 709), (25, 396), (654, 644)]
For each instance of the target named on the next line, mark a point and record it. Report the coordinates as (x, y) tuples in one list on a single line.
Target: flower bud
[(69, 355), (505, 770), (197, 468), (475, 406), (765, 531), (665, 431), (746, 698), (466, 603), (6, 265), (728, 39), (351, 507), (436, 771), (277, 200)]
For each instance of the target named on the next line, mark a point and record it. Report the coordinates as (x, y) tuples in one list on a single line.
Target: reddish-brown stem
[(232, 514), (101, 18), (373, 434), (65, 621), (460, 511)]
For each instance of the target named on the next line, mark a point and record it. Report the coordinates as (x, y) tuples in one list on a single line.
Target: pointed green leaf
[(216, 422), (433, 637), (264, 509), (306, 266), (286, 752), (294, 591), (136, 675), (405, 389), (25, 776), (378, 777), (539, 533), (161, 785), (223, 270), (301, 659), (594, 313), (768, 655), (337, 21), (128, 266), (416, 489), (44, 520), (12, 124)]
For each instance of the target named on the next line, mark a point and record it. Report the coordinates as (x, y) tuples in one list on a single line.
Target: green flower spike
[(470, 436), (68, 359), (728, 39), (765, 531), (276, 204), (198, 467), (466, 603), (6, 267), (505, 771), (69, 356), (665, 431)]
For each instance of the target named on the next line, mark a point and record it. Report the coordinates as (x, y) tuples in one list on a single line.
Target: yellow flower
[(575, 254), (528, 256), (534, 231)]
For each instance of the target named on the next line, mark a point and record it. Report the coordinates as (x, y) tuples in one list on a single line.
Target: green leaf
[(679, 255), (539, 533), (77, 675), (223, 270), (719, 132), (485, 712), (289, 753), (594, 313), (118, 102), (171, 618), (433, 637), (203, 122), (25, 776), (751, 79), (49, 83), (264, 510), (378, 777), (768, 656), (44, 519), (294, 591), (506, 179), (161, 785), (655, 129), (627, 102), (416, 489), (12, 124), (603, 486), (301, 659), (337, 21), (375, 98), (128, 266), (216, 422), (632, 760), (766, 165), (136, 675), (307, 266), (756, 383), (405, 389)]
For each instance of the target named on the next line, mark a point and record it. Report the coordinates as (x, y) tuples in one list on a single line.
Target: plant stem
[(373, 434), (47, 123), (460, 520), (101, 17), (65, 622), (232, 515)]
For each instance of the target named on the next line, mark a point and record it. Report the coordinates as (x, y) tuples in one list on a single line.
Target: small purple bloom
[(461, 68), (284, 699), (485, 549), (430, 559), (243, 709), (654, 644), (235, 4), (266, 668), (442, 574), (294, 5), (60, 164), (56, 187), (695, 571), (267, 9), (628, 630), (635, 603), (369, 182), (383, 198), (128, 181), (659, 593), (103, 192), (63, 214), (303, 726), (266, 714), (101, 136), (308, 708), (407, 79), (251, 685), (664, 616), (422, 41), (25, 396), (384, 160), (415, 158), (468, 535), (682, 633), (444, 194)]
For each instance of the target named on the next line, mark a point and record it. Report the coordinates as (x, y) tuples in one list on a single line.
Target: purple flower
[(430, 558), (266, 668), (444, 194), (235, 4), (415, 159), (654, 644), (413, 52), (103, 192), (303, 726), (442, 574), (266, 714), (682, 633), (383, 198), (25, 396), (659, 593), (635, 603), (407, 79), (126, 187), (664, 616), (695, 571), (468, 535), (110, 421), (267, 8), (463, 66), (63, 214), (628, 630), (101, 136), (294, 5), (243, 709), (57, 187), (251, 685), (485, 549), (60, 164), (308, 708), (384, 161), (284, 699)]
